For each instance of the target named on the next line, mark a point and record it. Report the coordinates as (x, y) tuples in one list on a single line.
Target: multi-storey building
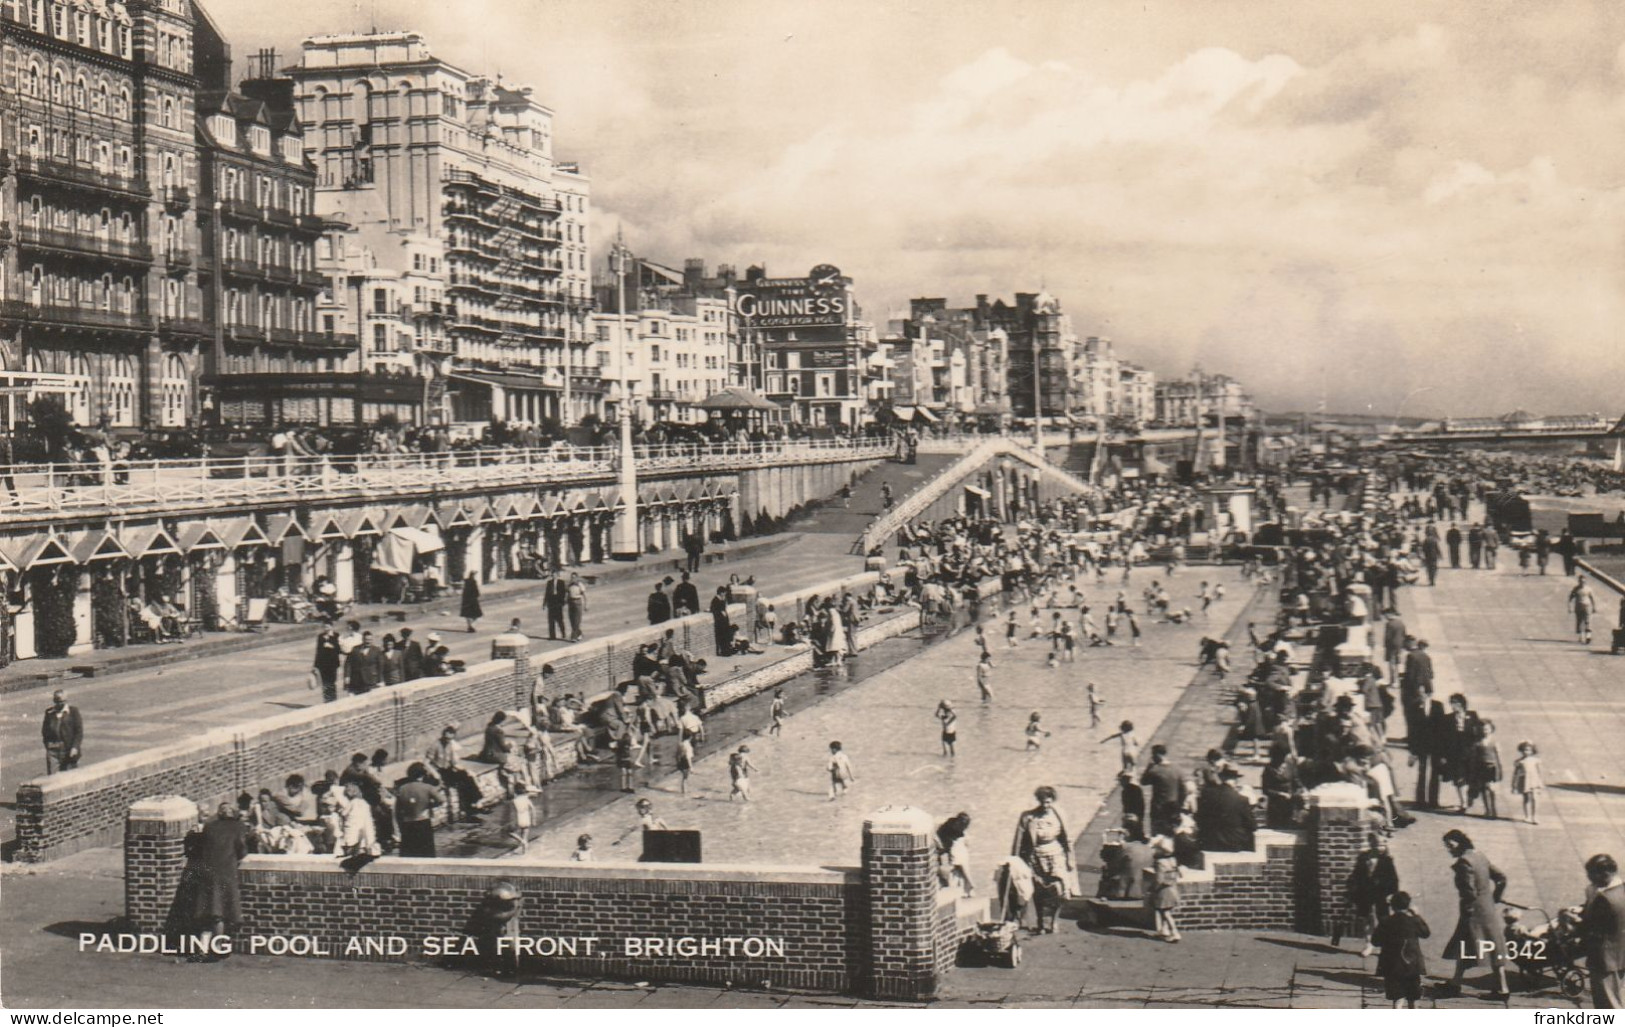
[(266, 359), (677, 335), (96, 219), (1096, 379), (1017, 337), (409, 148), (1137, 399), (816, 347), (583, 388), (1202, 398)]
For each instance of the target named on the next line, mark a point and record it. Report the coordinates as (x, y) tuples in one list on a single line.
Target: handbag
[(313, 680)]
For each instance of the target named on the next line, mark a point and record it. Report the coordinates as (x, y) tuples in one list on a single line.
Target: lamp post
[(1038, 391), (624, 544)]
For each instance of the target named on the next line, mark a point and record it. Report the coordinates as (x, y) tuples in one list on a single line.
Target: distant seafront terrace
[(170, 486)]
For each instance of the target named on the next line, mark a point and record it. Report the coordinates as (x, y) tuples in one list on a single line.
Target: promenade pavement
[(136, 710)]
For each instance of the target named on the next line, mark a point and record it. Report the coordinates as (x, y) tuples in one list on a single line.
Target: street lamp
[(624, 544)]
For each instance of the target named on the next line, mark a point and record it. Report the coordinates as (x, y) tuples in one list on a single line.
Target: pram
[(1548, 947)]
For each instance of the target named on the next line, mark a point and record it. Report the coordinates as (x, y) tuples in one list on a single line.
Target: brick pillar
[(752, 599), (516, 647), (1338, 822), (900, 881), (154, 856)]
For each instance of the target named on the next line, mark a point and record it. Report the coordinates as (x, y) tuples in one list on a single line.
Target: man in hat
[(556, 597), (1224, 818), (62, 731)]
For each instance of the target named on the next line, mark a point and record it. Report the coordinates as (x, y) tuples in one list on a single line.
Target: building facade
[(410, 148), (98, 294), (1202, 398), (816, 348)]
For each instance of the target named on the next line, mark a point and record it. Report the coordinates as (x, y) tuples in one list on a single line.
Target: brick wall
[(1339, 820), (1249, 891), (880, 928), (84, 808)]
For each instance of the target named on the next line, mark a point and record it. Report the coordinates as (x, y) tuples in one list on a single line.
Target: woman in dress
[(1163, 898), (1041, 842), (471, 610), (393, 660), (1478, 925)]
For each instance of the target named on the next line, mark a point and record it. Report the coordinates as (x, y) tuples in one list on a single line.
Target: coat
[(412, 659), (66, 729), (659, 608), (218, 848), (1478, 889), (1603, 927), (328, 654), (1400, 939), (471, 601), (556, 594), (686, 595), (1224, 820), (1372, 881), (364, 669)]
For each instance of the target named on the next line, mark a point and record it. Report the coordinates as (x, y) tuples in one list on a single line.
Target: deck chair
[(254, 615)]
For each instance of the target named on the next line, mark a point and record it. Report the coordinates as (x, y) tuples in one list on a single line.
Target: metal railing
[(171, 485)]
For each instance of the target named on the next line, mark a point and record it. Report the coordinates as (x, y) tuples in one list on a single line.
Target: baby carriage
[(1548, 947)]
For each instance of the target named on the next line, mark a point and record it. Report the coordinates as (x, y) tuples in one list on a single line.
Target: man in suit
[(1393, 643), (556, 597), (685, 598), (1603, 926), (364, 667), (1415, 689), (659, 605), (63, 731), (694, 546), (412, 658), (1167, 791), (1224, 820)]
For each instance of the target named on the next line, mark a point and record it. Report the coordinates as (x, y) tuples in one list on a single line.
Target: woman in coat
[(329, 657), (1478, 924), (471, 610), (1041, 842), (217, 905)]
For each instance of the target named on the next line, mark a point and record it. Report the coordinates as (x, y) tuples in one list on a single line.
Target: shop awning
[(89, 547), (397, 548), (902, 413), (501, 380), (413, 515), (39, 550), (355, 523), (237, 532), (553, 505), (280, 526), (452, 515), (927, 415), (327, 527), (197, 536), (150, 540), (978, 491)]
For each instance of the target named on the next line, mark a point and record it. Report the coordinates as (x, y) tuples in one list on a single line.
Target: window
[(56, 85), (99, 103), (82, 28), (36, 15), (176, 389), (417, 262), (380, 301), (380, 339), (59, 21), (168, 115)]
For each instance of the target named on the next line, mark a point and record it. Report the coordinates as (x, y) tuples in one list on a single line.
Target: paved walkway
[(133, 711)]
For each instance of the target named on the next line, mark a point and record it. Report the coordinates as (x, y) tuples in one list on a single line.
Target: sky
[(1384, 205)]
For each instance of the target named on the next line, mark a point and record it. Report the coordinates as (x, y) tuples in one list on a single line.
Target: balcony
[(310, 222), (239, 268), (190, 326), (245, 333), (5, 232), (66, 173), (279, 216), (177, 197), (310, 279), (178, 260), (241, 210), (83, 244), (87, 317), (281, 275)]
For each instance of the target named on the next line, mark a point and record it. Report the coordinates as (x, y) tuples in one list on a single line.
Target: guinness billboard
[(821, 299)]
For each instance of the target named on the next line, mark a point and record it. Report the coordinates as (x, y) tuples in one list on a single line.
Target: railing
[(177, 197), (311, 279), (82, 242), (87, 317), (58, 171), (171, 485)]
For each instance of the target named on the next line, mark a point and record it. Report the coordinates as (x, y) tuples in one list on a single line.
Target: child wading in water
[(950, 726), (524, 815), (840, 771), (1095, 703), (1128, 745), (984, 676), (1526, 780), (1035, 732), (777, 713), (739, 768), (685, 761), (1010, 630)]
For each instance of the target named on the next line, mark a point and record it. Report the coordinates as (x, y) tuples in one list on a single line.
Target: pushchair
[(1547, 947)]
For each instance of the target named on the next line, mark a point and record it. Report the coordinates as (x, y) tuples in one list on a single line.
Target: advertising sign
[(820, 299)]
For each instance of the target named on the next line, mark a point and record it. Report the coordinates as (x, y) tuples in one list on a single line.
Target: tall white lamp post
[(624, 543)]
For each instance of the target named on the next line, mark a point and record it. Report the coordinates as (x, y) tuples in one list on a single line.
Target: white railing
[(207, 482)]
